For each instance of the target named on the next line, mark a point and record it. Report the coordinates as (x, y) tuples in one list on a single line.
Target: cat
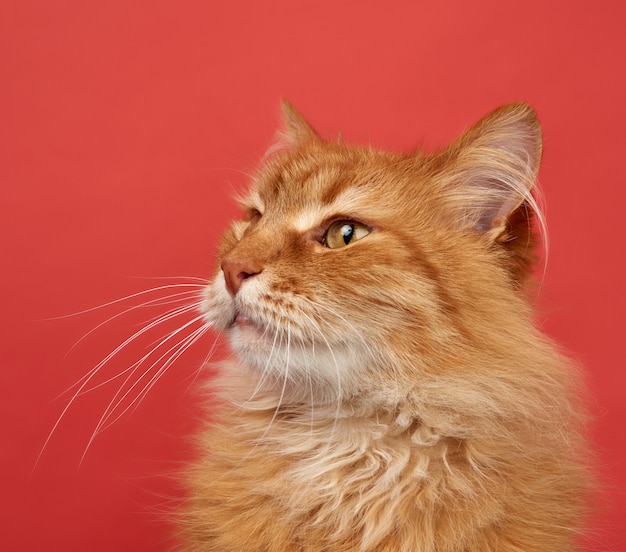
[(389, 390)]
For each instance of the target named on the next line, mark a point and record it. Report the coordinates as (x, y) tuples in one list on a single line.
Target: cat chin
[(315, 367), (243, 332)]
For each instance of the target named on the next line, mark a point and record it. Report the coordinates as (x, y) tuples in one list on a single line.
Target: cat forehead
[(303, 213), (314, 177), (321, 181)]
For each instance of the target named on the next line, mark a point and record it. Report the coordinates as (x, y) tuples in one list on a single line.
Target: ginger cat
[(389, 390)]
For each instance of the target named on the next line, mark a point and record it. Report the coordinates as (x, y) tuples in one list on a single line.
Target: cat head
[(354, 269)]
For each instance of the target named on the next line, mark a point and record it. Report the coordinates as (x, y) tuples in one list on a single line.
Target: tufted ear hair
[(492, 168)]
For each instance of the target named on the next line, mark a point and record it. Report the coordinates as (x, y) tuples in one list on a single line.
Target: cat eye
[(344, 232)]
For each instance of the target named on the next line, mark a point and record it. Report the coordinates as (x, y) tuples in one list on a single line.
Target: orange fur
[(392, 394)]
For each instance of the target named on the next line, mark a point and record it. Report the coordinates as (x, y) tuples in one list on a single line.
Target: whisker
[(179, 349), (316, 326), (169, 315), (113, 405), (206, 359), (357, 333), (118, 375), (121, 299), (152, 303), (203, 281), (265, 371), (262, 378), (285, 379), (188, 342), (84, 381)]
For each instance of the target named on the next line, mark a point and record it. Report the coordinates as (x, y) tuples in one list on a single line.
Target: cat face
[(351, 264)]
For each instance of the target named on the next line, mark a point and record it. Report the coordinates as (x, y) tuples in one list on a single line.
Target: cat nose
[(237, 270)]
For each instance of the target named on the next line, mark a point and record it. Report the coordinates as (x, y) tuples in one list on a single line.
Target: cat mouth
[(243, 321), (247, 326)]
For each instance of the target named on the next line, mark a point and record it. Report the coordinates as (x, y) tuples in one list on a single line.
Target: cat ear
[(296, 130), (494, 168)]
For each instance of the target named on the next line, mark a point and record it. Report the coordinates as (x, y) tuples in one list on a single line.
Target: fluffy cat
[(389, 390)]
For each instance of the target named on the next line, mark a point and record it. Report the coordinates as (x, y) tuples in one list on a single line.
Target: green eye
[(343, 232)]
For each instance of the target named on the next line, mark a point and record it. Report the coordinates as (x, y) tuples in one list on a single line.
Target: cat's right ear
[(295, 131)]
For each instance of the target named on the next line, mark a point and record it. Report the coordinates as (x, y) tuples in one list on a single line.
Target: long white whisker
[(169, 315), (152, 303), (203, 281), (206, 358), (170, 299), (265, 371), (263, 377), (121, 299), (188, 342), (187, 309), (310, 381), (178, 349), (284, 387), (285, 380), (340, 317), (114, 403), (91, 374), (316, 326)]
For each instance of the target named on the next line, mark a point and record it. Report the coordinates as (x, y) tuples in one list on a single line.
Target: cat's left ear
[(494, 167)]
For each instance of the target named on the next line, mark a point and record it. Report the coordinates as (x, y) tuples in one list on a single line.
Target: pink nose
[(236, 271)]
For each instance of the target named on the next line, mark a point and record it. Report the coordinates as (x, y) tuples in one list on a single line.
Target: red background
[(126, 125)]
